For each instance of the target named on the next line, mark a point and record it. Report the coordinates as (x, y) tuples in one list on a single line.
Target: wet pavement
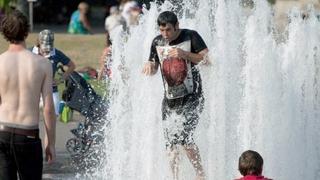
[(61, 168)]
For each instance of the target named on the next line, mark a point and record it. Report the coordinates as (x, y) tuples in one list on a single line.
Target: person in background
[(114, 20), (106, 59), (45, 47), (79, 22), (131, 11), (24, 77), (251, 165)]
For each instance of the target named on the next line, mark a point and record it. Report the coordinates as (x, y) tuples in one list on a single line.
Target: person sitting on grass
[(105, 59), (79, 21), (251, 165)]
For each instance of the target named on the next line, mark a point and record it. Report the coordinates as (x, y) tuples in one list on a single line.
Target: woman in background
[(105, 60), (79, 22)]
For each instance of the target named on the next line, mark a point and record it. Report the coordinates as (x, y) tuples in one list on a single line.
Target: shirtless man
[(24, 76)]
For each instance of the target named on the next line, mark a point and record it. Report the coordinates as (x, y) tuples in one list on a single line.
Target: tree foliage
[(272, 1), (5, 5)]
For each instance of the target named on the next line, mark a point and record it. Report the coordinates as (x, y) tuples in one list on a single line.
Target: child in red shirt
[(250, 166)]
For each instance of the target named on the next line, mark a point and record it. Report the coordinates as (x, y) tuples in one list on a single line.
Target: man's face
[(168, 32), (45, 49)]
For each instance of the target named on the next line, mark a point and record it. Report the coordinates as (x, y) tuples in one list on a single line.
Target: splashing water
[(261, 94)]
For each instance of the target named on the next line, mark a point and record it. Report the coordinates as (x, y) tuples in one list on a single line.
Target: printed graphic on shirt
[(176, 71)]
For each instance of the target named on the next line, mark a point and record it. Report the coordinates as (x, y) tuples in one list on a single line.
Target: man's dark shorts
[(20, 154), (180, 118)]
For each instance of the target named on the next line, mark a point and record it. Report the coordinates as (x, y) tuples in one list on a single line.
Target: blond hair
[(83, 6)]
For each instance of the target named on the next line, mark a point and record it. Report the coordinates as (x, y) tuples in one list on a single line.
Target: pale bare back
[(23, 77)]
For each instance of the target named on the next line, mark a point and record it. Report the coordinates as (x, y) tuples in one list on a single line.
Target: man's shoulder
[(36, 61), (34, 56), (158, 40), (188, 31), (58, 55), (58, 52), (40, 60)]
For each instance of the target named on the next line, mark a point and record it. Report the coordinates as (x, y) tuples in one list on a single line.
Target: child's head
[(250, 163)]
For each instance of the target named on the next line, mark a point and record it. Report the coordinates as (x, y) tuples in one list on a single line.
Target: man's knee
[(173, 151), (191, 147)]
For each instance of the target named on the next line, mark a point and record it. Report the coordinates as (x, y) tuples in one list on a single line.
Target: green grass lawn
[(84, 50)]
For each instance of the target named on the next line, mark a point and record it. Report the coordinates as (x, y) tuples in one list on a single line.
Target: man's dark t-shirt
[(55, 59), (181, 77)]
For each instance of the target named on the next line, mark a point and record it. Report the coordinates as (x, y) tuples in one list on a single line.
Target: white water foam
[(261, 94)]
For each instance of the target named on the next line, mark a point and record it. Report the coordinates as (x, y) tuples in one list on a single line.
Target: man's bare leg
[(174, 161), (193, 154)]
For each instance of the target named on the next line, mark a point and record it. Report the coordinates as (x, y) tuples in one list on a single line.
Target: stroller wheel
[(74, 146), (97, 139)]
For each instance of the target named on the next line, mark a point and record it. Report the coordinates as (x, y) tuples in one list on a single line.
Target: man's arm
[(49, 114), (66, 61), (85, 21), (71, 66), (150, 68), (193, 57)]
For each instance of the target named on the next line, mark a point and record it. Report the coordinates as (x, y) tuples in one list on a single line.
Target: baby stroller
[(86, 148)]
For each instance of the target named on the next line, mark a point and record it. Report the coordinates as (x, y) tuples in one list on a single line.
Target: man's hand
[(150, 68), (177, 53), (50, 154), (206, 61)]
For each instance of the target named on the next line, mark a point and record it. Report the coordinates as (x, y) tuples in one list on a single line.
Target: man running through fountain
[(177, 52), (24, 76)]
